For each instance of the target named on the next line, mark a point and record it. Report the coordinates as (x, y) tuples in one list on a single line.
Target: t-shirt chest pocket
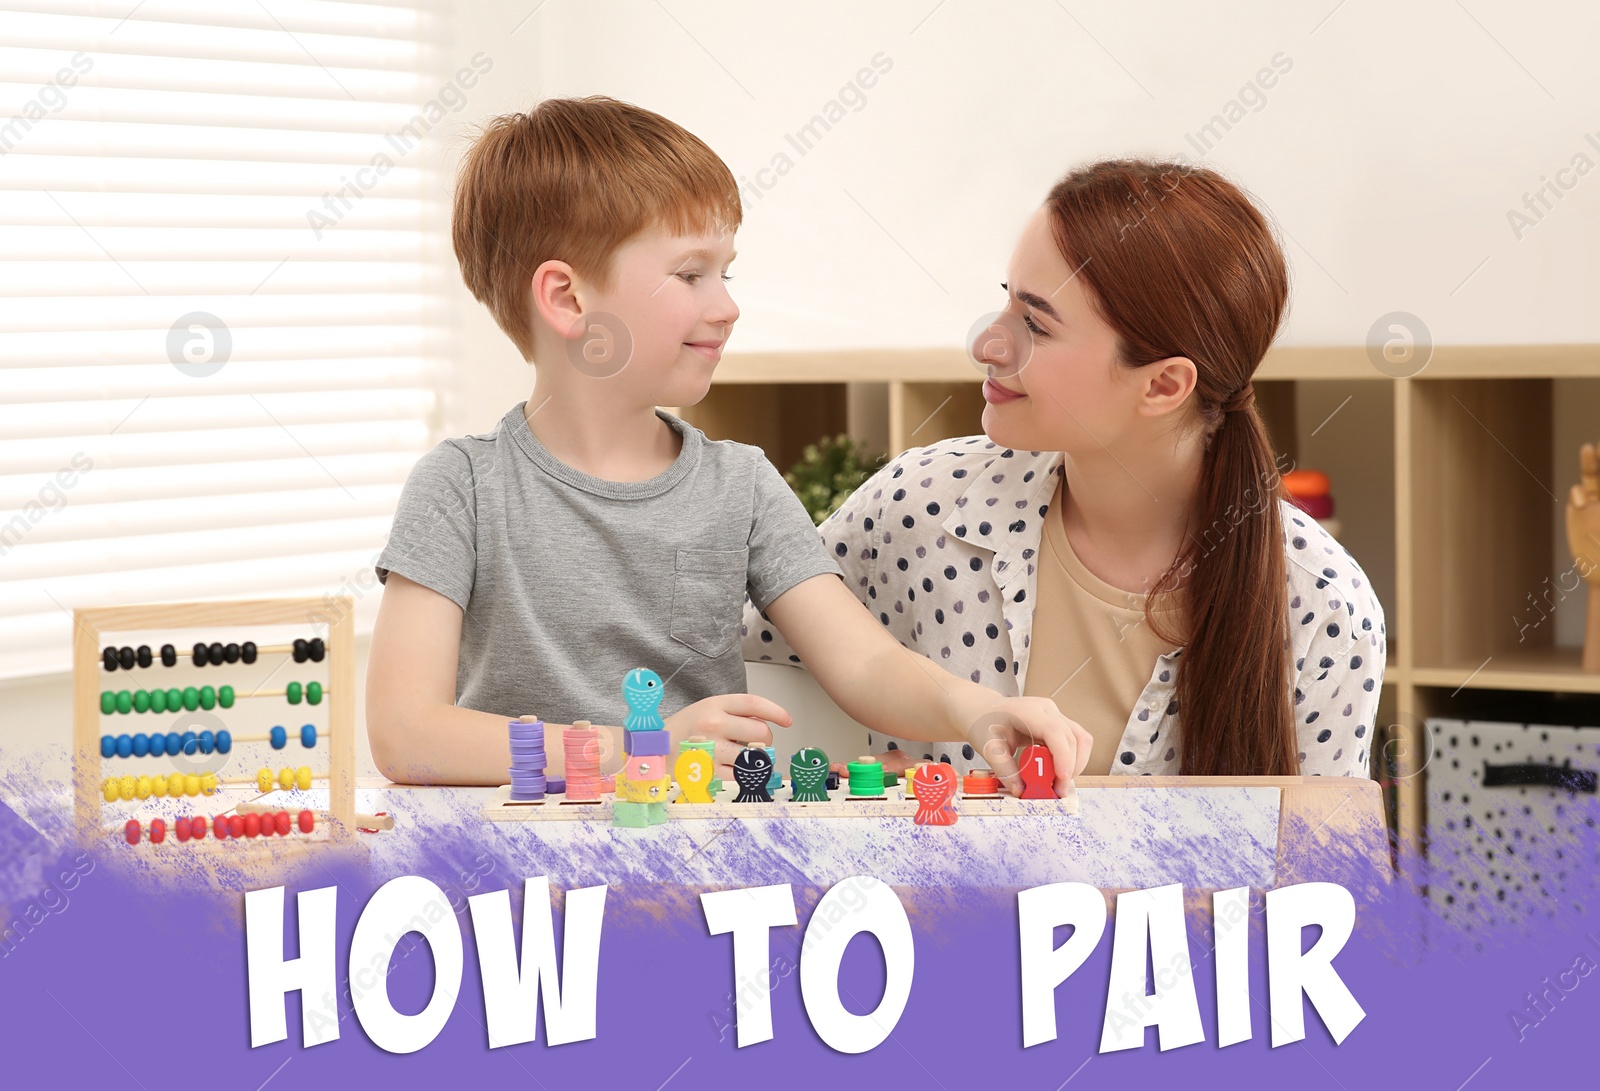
[(708, 588)]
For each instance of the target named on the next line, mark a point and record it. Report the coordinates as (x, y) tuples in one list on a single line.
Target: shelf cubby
[(1449, 488)]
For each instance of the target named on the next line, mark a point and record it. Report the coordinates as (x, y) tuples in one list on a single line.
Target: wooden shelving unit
[(1472, 487)]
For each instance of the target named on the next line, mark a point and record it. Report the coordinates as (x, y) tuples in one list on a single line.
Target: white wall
[(1389, 153)]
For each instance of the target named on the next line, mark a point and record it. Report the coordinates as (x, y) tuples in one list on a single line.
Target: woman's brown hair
[(1179, 262)]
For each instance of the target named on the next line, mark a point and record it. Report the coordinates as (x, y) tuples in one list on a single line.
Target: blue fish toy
[(643, 690)]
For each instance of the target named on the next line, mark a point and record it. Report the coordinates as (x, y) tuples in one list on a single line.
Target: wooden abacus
[(93, 664)]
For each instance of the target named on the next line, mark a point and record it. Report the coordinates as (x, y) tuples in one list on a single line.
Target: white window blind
[(221, 324)]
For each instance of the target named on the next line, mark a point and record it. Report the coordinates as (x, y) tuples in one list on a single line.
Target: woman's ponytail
[(1180, 263)]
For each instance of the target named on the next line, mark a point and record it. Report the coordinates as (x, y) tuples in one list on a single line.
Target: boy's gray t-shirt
[(568, 581)]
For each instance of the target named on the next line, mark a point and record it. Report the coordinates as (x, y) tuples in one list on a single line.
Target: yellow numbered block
[(692, 771)]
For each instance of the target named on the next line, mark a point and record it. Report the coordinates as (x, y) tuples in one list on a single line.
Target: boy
[(530, 568)]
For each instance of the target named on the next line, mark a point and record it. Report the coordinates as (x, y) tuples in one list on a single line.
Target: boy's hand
[(731, 720), (1015, 722)]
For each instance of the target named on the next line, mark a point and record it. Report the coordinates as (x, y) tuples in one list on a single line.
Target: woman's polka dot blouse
[(940, 547)]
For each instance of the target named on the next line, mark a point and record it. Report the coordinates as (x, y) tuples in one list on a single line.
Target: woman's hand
[(1015, 722), (731, 720), (893, 761)]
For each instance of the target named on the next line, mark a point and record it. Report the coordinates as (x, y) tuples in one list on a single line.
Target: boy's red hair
[(573, 179)]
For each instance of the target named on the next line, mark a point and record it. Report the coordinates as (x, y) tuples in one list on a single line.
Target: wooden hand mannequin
[(1583, 538)]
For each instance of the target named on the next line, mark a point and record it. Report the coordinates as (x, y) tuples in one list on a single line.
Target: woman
[(1117, 542)]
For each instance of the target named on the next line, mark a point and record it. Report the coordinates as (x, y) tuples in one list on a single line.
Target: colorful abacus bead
[(181, 829), (302, 778), (207, 742), (131, 831), (282, 821), (224, 742), (197, 828), (308, 734), (313, 693), (108, 746), (158, 831), (293, 692), (225, 696), (124, 746), (308, 821), (219, 827), (252, 825), (279, 737), (264, 780), (236, 825)]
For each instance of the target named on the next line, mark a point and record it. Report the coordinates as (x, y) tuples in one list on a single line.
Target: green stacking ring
[(866, 778)]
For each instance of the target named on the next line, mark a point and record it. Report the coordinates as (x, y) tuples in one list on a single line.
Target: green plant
[(829, 471)]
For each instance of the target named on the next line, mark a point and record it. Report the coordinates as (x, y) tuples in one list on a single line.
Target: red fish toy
[(1038, 771), (935, 784)]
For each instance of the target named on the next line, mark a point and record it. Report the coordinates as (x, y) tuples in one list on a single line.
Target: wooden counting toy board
[(894, 803), (1112, 831), (155, 731), (661, 782)]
